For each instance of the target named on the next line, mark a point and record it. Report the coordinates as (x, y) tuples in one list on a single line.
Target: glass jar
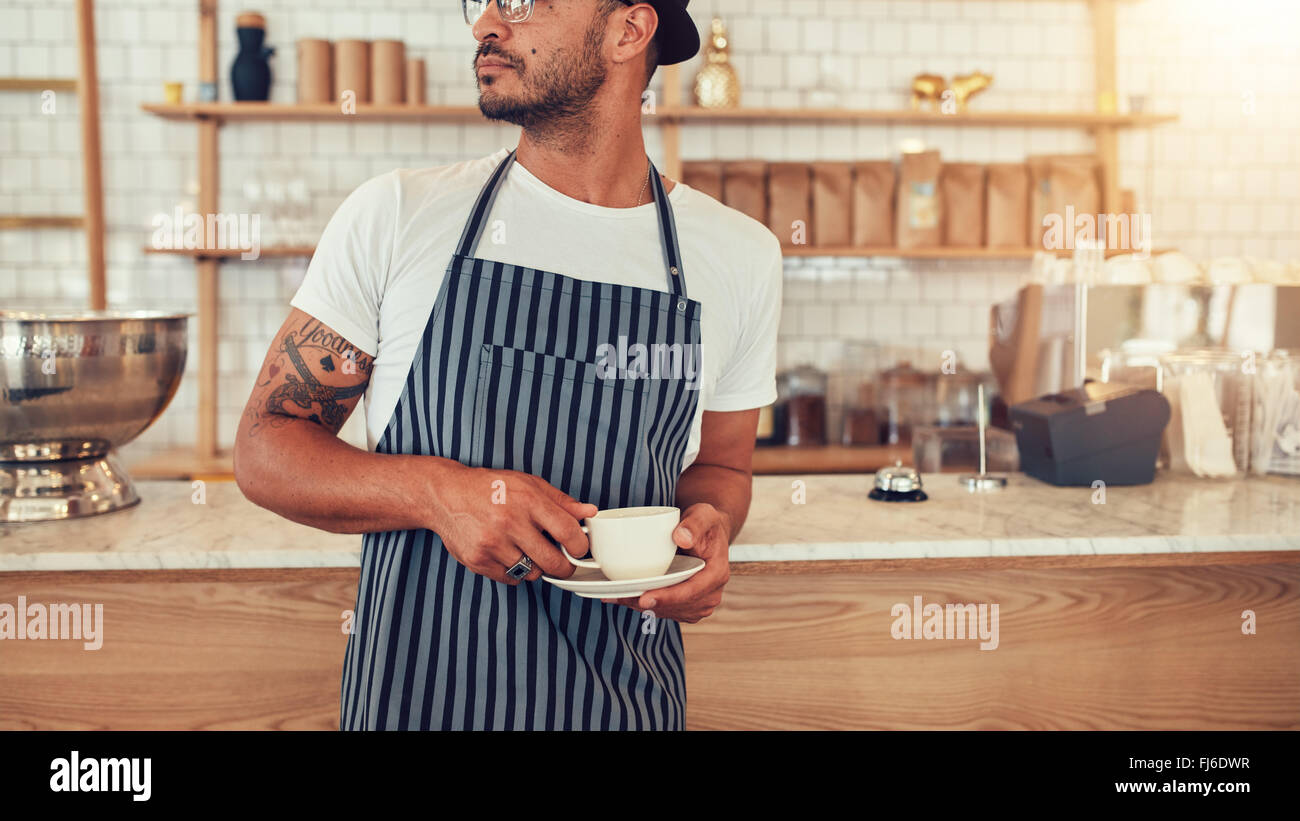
[(1136, 363), (1209, 396), (957, 448), (859, 425), (904, 398), (1275, 414), (804, 403), (956, 398)]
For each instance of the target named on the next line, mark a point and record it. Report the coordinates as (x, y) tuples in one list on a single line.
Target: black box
[(1102, 431)]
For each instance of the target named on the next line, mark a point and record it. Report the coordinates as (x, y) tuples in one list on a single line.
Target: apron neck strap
[(478, 218), (668, 235), (473, 230)]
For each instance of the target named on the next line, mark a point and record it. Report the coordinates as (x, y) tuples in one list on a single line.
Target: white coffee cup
[(630, 542)]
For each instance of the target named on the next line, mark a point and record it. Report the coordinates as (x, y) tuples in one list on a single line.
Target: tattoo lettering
[(315, 335)]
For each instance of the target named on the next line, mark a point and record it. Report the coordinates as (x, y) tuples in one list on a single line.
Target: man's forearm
[(305, 473), (727, 489)]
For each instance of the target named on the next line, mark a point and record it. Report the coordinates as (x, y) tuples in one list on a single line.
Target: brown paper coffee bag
[(1064, 186), (744, 187), (961, 190), (873, 204), (1076, 192), (1039, 188), (789, 203), (920, 210), (832, 193), (1006, 205), (705, 177)]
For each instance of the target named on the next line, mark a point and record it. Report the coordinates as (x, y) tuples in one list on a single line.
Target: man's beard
[(555, 94)]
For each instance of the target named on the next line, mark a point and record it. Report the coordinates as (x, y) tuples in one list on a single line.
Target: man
[(473, 305)]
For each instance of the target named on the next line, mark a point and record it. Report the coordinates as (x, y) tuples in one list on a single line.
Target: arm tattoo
[(300, 393)]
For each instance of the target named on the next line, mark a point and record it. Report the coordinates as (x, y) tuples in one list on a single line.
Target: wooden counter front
[(1079, 648), (1083, 643), (1115, 612)]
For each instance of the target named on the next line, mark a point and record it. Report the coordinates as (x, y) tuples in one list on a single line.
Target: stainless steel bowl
[(74, 386)]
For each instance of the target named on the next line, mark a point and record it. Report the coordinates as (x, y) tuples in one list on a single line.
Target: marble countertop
[(812, 518)]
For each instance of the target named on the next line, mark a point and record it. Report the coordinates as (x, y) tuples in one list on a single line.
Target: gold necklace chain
[(644, 184)]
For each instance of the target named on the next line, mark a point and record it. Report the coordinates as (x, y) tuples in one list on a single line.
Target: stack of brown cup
[(352, 69), (415, 82), (315, 71), (387, 72)]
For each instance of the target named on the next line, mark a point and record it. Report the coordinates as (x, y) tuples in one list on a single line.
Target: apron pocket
[(563, 420)]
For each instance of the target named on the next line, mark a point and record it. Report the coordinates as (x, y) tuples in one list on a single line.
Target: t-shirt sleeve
[(345, 279), (749, 379)]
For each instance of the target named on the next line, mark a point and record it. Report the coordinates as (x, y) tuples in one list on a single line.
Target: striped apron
[(510, 374)]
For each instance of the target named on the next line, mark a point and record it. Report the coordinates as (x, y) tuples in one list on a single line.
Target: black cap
[(677, 36)]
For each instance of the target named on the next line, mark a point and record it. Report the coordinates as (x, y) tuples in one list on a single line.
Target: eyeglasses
[(511, 11)]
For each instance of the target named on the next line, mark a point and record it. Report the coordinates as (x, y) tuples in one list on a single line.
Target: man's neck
[(598, 157)]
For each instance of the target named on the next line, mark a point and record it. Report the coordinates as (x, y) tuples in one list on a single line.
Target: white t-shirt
[(382, 257)]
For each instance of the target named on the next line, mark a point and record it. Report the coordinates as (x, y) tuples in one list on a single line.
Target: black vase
[(250, 74)]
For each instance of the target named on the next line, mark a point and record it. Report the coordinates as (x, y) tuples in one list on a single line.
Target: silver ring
[(520, 568)]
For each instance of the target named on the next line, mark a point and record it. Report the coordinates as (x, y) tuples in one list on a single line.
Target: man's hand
[(488, 518), (705, 532)]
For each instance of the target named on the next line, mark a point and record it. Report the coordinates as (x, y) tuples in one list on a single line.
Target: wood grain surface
[(789, 459), (1119, 648), (1079, 647), (183, 655)]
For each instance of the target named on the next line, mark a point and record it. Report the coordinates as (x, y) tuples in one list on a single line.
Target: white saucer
[(590, 583)]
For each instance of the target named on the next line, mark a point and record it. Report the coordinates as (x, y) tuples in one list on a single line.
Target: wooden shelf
[(234, 253), (40, 221), (319, 112), (795, 251), (933, 253), (1029, 119), (37, 84), (828, 459), (326, 112)]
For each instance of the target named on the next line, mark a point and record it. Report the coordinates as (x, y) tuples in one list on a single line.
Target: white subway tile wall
[(1224, 180)]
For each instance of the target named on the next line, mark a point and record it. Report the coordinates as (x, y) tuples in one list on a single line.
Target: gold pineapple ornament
[(716, 83)]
